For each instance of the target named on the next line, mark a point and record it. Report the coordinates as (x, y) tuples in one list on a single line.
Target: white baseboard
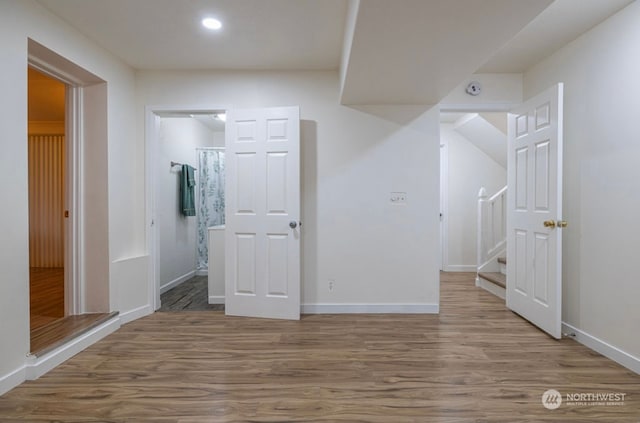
[(37, 366), (496, 290), (12, 379), (370, 308), (177, 281), (621, 357), (216, 299), (202, 272), (461, 268), (136, 313)]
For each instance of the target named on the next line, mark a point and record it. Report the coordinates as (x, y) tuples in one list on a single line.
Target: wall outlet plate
[(398, 198)]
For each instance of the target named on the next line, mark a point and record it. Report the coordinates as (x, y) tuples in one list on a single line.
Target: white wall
[(218, 139), (601, 172), (500, 92), (178, 139), (124, 205), (352, 160), (469, 168)]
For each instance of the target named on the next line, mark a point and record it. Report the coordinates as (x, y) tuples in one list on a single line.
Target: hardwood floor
[(56, 333), (49, 326), (191, 295), (475, 362), (46, 291)]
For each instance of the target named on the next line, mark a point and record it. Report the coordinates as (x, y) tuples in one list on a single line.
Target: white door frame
[(444, 170), (73, 253), (152, 136), (444, 204)]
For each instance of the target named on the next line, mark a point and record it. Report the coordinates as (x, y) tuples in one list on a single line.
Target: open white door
[(262, 234), (534, 217)]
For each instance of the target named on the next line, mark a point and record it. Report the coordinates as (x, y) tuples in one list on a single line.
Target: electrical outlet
[(398, 198), (330, 284)]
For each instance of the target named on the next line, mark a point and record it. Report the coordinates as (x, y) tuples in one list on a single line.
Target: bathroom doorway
[(189, 145)]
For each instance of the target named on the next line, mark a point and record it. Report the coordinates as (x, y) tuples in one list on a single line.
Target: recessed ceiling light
[(211, 23)]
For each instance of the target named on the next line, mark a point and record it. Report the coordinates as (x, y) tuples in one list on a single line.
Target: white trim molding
[(444, 202), (177, 281), (461, 268), (136, 313), (616, 354), (12, 379), (152, 135), (370, 308), (216, 299), (37, 366)]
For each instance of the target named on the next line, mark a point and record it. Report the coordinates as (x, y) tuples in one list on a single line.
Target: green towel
[(187, 195)]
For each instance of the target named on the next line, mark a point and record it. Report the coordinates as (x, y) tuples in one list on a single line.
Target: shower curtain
[(210, 198)]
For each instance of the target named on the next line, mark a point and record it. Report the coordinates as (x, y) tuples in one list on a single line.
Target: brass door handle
[(562, 224), (549, 224)]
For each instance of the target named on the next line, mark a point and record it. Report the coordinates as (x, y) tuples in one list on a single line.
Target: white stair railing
[(492, 226)]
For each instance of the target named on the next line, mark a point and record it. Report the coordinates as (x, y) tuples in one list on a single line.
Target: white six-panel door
[(262, 234), (534, 234)]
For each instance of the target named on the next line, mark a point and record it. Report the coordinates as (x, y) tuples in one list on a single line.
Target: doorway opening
[(473, 196), (47, 197), (68, 199), (524, 220), (189, 205)]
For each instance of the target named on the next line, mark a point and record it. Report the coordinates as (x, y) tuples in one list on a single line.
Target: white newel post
[(482, 198)]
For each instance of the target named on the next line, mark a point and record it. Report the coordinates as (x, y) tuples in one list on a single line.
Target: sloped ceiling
[(418, 53), (389, 51), (484, 135), (562, 22)]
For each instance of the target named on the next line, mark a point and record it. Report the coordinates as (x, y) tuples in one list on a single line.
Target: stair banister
[(492, 221), (482, 198)]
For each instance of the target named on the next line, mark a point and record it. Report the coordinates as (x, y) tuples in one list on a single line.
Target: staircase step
[(499, 279), (502, 260)]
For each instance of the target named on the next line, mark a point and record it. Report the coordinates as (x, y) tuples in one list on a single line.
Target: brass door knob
[(562, 224), (549, 224)]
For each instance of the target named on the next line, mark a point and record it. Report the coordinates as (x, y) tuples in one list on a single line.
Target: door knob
[(549, 224), (562, 224), (293, 224)]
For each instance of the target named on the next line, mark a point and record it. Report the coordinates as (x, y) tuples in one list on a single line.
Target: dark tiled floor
[(191, 295)]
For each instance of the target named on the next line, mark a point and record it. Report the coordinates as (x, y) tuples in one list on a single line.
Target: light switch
[(398, 198)]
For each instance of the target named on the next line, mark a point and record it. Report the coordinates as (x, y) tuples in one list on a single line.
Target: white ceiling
[(409, 51), (210, 120), (560, 23), (418, 53), (451, 117), (485, 136), (256, 34)]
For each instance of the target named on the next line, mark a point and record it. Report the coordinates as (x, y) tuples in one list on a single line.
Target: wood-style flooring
[(46, 294), (49, 327), (58, 332), (474, 362), (191, 295)]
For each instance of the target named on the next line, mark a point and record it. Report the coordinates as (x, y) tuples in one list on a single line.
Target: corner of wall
[(12, 379)]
